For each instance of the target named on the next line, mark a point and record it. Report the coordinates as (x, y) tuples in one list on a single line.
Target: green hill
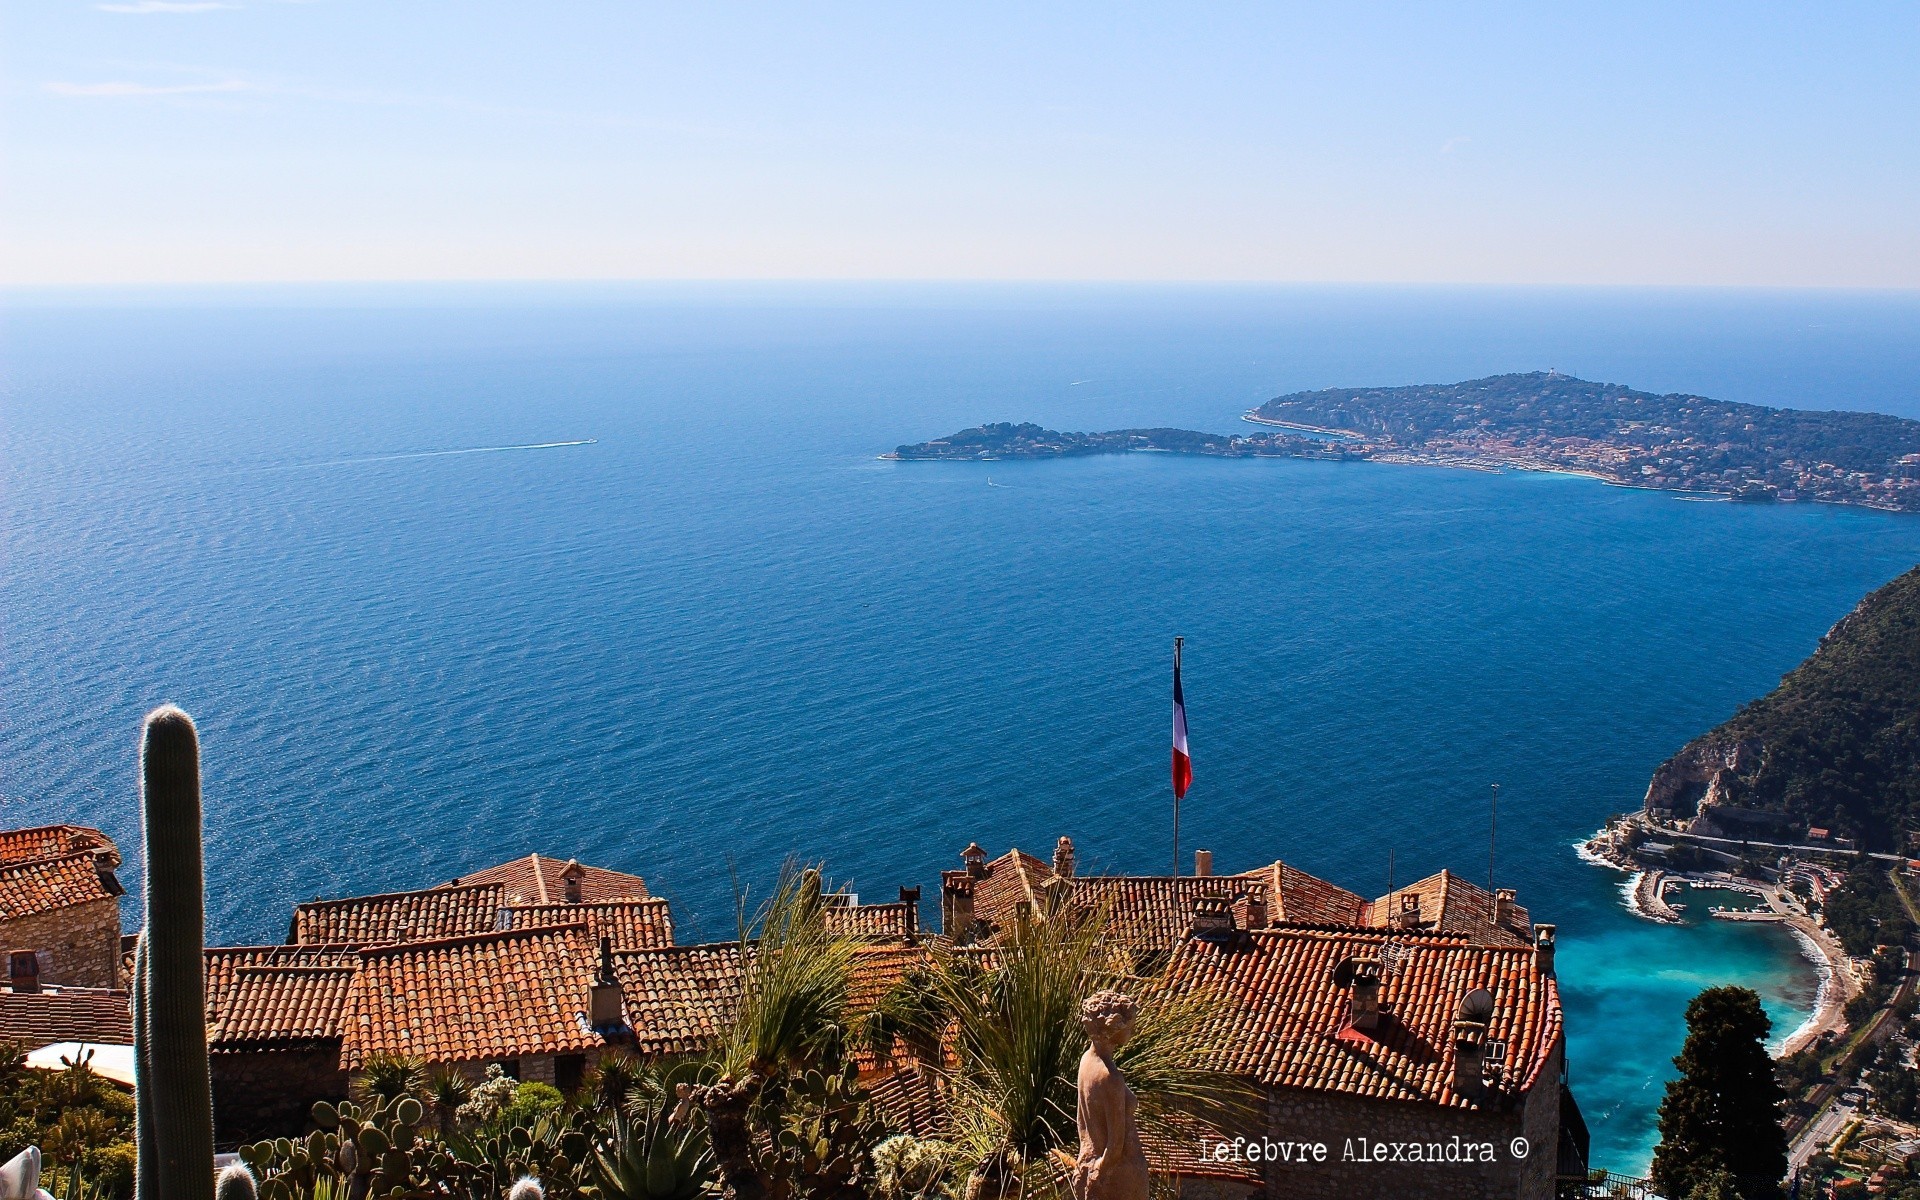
[(1837, 744)]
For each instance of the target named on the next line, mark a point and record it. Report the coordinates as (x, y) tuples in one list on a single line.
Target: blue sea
[(721, 632)]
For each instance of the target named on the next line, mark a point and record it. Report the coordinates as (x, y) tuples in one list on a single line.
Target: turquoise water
[(723, 633)]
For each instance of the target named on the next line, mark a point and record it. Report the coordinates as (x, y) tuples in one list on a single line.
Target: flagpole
[(1176, 790)]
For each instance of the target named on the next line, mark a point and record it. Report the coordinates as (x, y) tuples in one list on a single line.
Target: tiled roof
[(1013, 879), (898, 919), (632, 924), (492, 996), (36, 1019), (679, 999), (1450, 904), (276, 994), (400, 916), (1283, 1025), (44, 884), (539, 880), (279, 1004), (1155, 912), (909, 1101), (53, 841), (1304, 899)]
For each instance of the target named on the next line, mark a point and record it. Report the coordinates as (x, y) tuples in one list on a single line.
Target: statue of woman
[(1111, 1165)]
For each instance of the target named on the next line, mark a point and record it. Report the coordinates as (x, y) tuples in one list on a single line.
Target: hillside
[(1836, 745), (1674, 441)]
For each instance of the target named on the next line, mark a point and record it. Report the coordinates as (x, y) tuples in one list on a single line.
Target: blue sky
[(1614, 143)]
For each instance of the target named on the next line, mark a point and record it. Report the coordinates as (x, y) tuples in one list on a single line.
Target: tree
[(1723, 1113)]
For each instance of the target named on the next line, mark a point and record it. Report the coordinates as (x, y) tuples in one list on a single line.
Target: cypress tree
[(1723, 1113)]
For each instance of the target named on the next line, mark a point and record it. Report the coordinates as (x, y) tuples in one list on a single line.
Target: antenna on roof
[(1493, 824)]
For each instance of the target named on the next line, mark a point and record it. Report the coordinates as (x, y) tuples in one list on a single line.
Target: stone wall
[(79, 945), (1355, 1131), (270, 1093)]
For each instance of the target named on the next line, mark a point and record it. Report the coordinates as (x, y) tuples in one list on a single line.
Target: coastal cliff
[(1835, 746)]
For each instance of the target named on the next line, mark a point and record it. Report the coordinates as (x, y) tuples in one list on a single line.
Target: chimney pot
[(1364, 1010), (1063, 857), (605, 1007), (975, 860), (1543, 948), (1203, 863), (23, 971), (910, 896)]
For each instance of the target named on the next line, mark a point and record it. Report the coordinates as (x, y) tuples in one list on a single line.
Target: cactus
[(527, 1189), (174, 1114), (235, 1183)]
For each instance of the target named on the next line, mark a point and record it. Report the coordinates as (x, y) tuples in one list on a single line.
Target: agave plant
[(388, 1077), (643, 1155), (447, 1089)]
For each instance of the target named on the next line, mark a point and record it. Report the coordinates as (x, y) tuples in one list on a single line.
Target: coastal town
[(1848, 1069)]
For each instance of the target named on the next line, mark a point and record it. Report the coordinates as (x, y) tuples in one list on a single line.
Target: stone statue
[(1111, 1165)]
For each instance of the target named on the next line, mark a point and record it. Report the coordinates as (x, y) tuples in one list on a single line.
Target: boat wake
[(403, 455)]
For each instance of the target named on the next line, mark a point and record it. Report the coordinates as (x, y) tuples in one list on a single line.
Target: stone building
[(1425, 1024), (60, 904)]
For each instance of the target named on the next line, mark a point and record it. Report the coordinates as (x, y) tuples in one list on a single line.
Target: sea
[(448, 574)]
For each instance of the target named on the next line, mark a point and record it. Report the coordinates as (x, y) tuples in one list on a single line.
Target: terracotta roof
[(1304, 899), (492, 996), (679, 999), (269, 994), (400, 916), (898, 919), (632, 924), (909, 1101), (539, 880), (1449, 904), (1155, 912), (1014, 878), (53, 841), (280, 1004), (36, 1019), (1284, 1025), (44, 884)]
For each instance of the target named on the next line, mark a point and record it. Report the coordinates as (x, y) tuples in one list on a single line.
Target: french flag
[(1182, 764)]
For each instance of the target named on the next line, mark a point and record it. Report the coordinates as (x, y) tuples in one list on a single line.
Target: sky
[(159, 141)]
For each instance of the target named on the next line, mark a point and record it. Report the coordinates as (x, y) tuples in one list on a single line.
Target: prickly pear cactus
[(376, 1151)]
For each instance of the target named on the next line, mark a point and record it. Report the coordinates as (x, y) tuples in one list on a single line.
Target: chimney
[(1543, 948), (570, 880), (604, 1008), (1063, 857), (956, 907), (1203, 863), (1364, 1003), (1470, 1018), (1212, 916), (910, 896), (1257, 917), (975, 859), (1410, 910), (23, 971), (1503, 906)]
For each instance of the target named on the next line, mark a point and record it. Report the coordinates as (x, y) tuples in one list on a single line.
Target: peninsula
[(1540, 421)]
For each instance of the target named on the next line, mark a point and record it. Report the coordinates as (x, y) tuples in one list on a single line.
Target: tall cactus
[(174, 1118)]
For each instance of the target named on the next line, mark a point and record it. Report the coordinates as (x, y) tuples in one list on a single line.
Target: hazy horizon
[(203, 141)]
